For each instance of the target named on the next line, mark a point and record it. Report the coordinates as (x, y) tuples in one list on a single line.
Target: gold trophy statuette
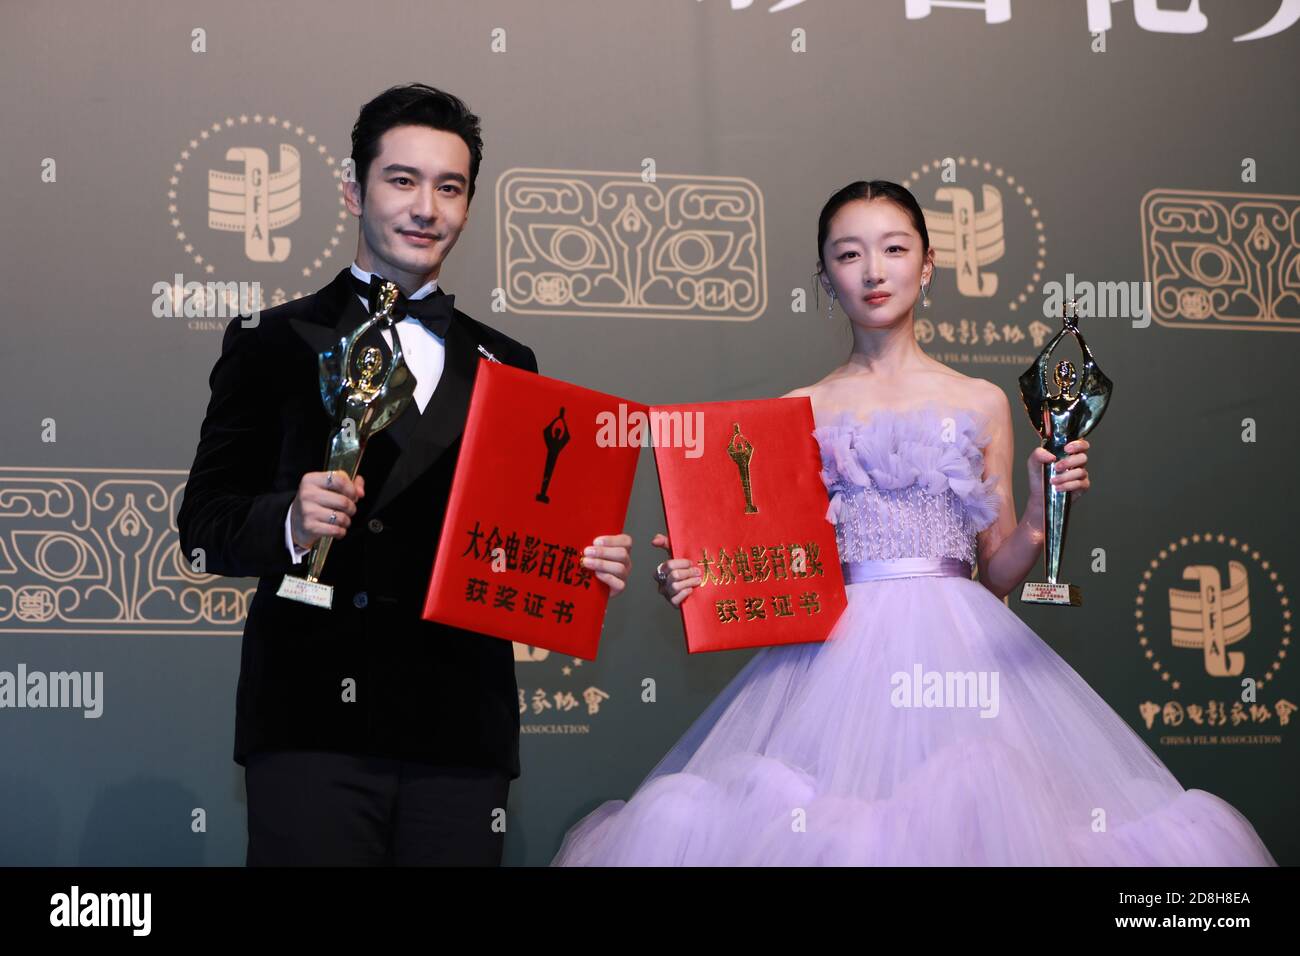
[(362, 398), (1059, 419), (741, 451)]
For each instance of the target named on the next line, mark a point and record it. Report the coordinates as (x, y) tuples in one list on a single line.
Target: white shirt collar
[(420, 293)]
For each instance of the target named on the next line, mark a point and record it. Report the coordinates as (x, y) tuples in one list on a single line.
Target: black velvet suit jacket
[(423, 691)]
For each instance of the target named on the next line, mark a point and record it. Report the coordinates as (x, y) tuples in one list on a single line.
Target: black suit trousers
[(320, 808)]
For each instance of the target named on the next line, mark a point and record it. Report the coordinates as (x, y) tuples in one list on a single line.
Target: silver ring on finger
[(661, 573), (329, 479), (334, 517)]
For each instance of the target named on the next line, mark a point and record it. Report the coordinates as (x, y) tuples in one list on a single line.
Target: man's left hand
[(610, 557)]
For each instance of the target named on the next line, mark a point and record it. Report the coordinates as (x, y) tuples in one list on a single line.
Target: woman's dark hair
[(876, 189), (414, 104)]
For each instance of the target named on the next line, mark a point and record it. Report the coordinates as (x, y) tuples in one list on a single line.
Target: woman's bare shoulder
[(974, 392), (987, 397), (837, 380), (803, 391)]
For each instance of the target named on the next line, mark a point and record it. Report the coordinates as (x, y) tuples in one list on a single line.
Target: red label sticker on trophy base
[(307, 592), (1063, 595)]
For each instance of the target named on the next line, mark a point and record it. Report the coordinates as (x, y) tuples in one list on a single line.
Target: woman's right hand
[(683, 576)]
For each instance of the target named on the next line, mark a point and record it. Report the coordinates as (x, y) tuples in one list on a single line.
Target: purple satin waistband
[(860, 572)]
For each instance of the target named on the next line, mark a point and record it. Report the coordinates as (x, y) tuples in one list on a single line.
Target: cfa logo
[(973, 210), (242, 202), (248, 201), (1213, 622)]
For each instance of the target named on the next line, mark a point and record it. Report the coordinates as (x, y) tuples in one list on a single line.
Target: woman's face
[(874, 262)]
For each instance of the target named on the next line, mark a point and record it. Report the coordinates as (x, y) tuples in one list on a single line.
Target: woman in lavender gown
[(819, 754)]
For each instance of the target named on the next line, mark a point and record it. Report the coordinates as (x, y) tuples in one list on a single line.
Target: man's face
[(417, 203)]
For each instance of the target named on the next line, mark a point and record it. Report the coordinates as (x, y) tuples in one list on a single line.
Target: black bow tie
[(435, 311)]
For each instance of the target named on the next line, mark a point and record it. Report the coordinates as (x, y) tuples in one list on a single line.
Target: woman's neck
[(887, 353)]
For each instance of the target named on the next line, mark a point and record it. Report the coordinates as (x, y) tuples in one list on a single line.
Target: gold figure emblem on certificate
[(741, 451), (363, 397), (1071, 411)]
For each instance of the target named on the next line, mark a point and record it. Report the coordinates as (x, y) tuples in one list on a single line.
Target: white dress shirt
[(424, 354)]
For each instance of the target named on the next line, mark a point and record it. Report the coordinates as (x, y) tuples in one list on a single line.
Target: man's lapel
[(443, 420), (336, 311)]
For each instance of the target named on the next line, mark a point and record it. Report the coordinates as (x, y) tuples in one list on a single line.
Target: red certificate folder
[(748, 506), (538, 479)]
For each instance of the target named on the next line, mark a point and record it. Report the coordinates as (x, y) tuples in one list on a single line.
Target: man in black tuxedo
[(368, 735)]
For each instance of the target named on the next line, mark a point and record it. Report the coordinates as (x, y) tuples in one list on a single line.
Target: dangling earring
[(925, 295), (830, 308)]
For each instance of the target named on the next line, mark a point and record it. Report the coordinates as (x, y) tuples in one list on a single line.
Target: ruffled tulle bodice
[(907, 483)]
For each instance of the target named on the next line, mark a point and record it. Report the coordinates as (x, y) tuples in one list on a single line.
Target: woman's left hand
[(1070, 473)]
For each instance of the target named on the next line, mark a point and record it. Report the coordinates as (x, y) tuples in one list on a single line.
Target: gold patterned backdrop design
[(1219, 260), (95, 550), (582, 242)]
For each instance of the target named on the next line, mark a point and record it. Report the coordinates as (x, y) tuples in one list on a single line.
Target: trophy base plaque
[(1065, 595), (306, 591)]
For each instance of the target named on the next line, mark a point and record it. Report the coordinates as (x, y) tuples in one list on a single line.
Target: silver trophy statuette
[(1061, 414)]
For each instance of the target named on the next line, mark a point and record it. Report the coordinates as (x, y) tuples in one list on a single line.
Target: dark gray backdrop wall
[(135, 133)]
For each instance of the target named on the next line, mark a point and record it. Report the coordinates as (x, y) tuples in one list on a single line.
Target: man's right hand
[(324, 506)]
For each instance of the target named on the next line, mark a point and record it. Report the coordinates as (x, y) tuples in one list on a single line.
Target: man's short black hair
[(414, 104)]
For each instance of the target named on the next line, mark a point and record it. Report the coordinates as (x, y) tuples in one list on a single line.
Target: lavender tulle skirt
[(933, 728)]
